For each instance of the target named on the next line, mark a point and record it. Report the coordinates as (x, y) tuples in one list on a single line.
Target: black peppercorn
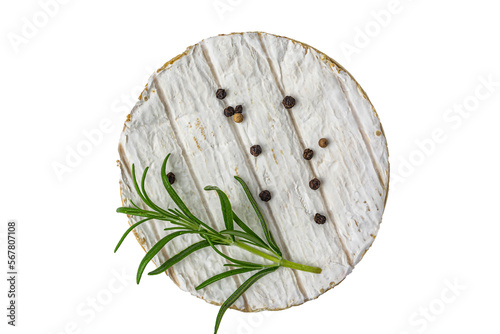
[(319, 219), (229, 111), (265, 196), (314, 184), (220, 94), (171, 177), (255, 150), (238, 109), (308, 154), (288, 102)]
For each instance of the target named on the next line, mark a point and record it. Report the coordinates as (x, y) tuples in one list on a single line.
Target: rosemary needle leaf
[(244, 263), (148, 201), (255, 266), (236, 294), (174, 228), (247, 229), (135, 205), (130, 230), (136, 185), (175, 197), (155, 249), (224, 275), (140, 213), (179, 256), (177, 212), (227, 211), (267, 233), (177, 200), (255, 241)]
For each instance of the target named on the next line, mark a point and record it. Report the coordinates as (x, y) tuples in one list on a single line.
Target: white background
[(434, 267)]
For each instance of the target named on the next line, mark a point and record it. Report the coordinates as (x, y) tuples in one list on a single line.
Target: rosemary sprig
[(184, 222)]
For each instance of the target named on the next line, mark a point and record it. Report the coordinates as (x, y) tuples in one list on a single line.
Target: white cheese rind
[(179, 114)]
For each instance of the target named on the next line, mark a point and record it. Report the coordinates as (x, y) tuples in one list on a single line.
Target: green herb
[(184, 222)]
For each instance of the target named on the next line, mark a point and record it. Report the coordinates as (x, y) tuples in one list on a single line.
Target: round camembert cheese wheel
[(179, 113)]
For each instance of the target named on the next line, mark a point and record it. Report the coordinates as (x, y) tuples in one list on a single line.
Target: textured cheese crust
[(179, 114)]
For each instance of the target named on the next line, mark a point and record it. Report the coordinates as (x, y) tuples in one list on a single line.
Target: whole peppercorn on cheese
[(291, 96)]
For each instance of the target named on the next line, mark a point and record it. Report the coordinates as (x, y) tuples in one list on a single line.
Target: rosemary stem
[(297, 266), (281, 262), (256, 251)]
